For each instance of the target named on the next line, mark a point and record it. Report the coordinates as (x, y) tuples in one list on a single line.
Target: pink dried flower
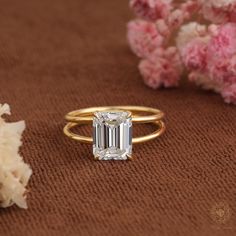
[(220, 53), (190, 6), (223, 44), (218, 11), (218, 70), (177, 17), (213, 29), (194, 55), (163, 28), (151, 9), (232, 65), (229, 94), (161, 69), (143, 37)]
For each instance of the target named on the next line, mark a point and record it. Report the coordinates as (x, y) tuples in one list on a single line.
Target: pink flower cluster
[(162, 68), (208, 52), (213, 56)]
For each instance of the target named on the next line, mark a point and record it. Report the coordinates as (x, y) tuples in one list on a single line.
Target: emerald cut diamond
[(112, 135)]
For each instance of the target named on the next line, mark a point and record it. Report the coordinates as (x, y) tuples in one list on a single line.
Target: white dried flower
[(189, 32), (14, 173), (204, 81)]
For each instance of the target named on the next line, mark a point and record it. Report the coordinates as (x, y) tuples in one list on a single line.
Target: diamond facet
[(112, 135)]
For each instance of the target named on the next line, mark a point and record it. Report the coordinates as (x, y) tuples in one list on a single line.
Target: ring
[(112, 128)]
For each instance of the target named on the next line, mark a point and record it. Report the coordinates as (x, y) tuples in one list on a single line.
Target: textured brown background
[(59, 55)]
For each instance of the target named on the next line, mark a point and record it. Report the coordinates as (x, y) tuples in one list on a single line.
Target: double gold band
[(85, 116)]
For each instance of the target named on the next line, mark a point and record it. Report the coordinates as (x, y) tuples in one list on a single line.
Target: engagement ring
[(112, 129)]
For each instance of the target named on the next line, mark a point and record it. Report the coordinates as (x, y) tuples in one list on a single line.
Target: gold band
[(85, 116)]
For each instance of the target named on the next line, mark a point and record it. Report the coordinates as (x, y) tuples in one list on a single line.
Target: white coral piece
[(14, 173)]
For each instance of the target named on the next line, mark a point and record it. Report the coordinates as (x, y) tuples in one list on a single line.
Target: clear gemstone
[(112, 135)]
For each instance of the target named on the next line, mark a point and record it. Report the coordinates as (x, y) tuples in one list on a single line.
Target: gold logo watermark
[(221, 214)]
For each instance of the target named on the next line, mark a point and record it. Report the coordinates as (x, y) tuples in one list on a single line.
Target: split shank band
[(85, 116)]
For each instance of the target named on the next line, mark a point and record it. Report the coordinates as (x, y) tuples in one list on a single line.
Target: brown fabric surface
[(57, 56)]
